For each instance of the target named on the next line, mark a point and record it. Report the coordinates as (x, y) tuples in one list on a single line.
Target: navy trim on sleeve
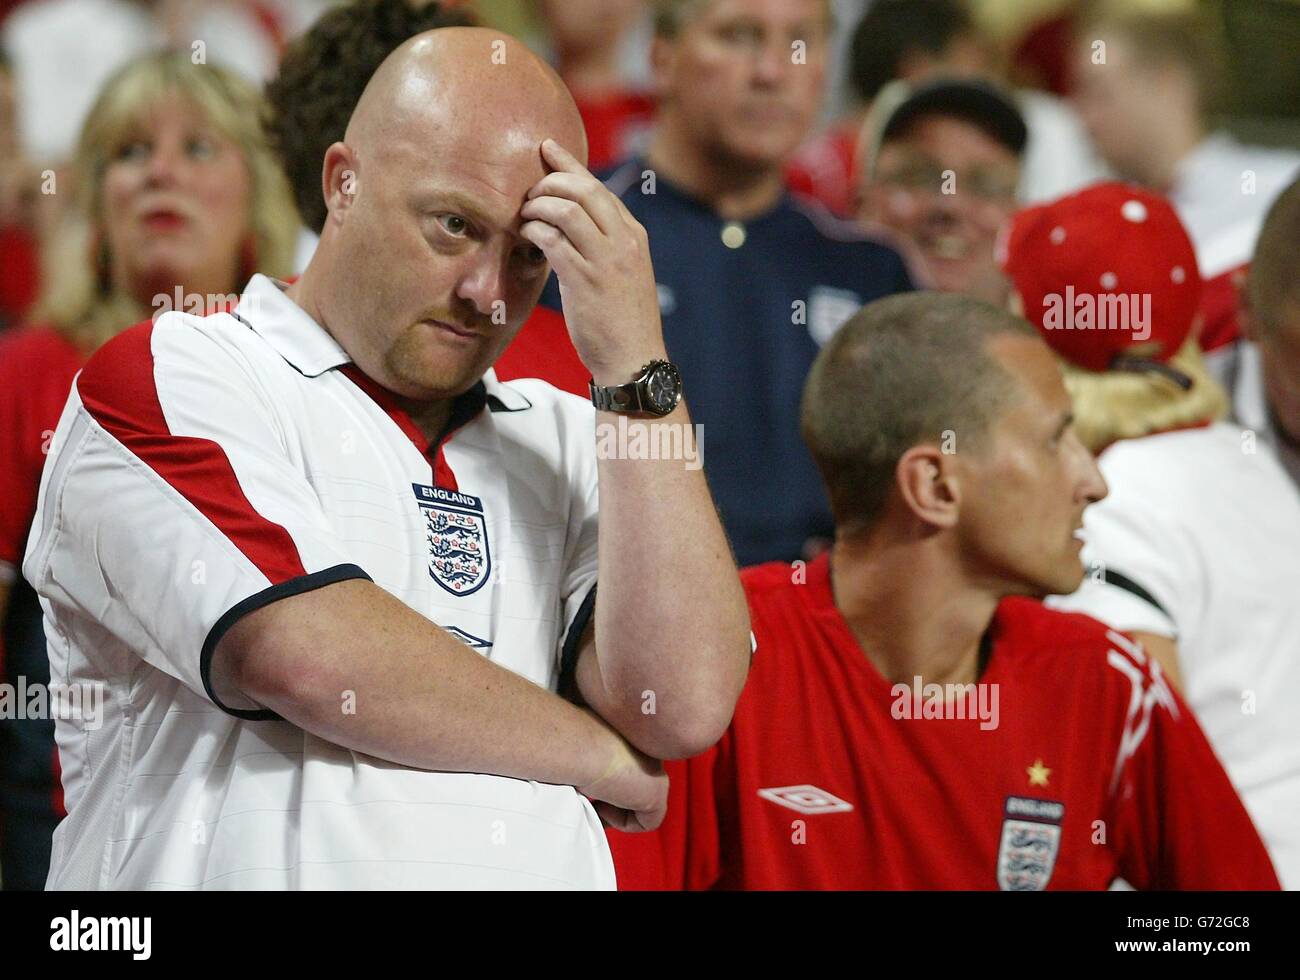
[(295, 586), (1128, 585), (569, 653)]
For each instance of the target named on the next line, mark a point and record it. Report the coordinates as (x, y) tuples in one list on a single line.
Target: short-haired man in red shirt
[(914, 717)]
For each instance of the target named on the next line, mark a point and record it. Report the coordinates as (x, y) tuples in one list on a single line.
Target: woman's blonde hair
[(1114, 405), (78, 298)]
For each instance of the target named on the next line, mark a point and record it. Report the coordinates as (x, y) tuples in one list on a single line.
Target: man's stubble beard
[(413, 364)]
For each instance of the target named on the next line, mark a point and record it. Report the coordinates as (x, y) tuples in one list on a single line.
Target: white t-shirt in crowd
[(1222, 190), (1209, 530), (1059, 157), (63, 51)]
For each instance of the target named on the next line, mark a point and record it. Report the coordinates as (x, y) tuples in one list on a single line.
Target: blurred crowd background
[(1199, 103), (56, 54)]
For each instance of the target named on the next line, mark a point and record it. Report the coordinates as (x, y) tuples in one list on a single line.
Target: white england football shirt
[(204, 467), (1199, 539)]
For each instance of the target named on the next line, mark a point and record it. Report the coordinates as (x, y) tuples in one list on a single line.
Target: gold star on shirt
[(1038, 773)]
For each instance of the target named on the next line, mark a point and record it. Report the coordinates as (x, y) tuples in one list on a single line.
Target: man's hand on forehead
[(601, 256)]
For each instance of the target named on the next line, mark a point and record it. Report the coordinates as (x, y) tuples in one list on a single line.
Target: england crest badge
[(1031, 839), (457, 535)]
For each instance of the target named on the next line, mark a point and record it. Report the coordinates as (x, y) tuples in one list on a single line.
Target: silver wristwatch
[(656, 391)]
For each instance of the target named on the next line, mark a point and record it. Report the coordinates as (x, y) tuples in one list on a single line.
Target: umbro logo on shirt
[(469, 639), (806, 798)]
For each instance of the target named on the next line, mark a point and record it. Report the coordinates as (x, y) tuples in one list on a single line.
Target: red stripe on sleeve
[(118, 390)]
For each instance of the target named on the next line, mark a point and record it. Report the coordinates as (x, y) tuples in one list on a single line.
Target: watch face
[(664, 387)]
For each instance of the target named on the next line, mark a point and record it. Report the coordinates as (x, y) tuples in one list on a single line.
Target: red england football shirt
[(1088, 767)]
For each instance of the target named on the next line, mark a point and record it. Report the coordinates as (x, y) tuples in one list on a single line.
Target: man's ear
[(928, 485), (340, 178)]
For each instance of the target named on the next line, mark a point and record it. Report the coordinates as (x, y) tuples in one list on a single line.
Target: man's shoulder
[(812, 219), (553, 426), (538, 396), (1070, 651), (784, 607), (126, 370), (1275, 164), (1029, 624), (1207, 457), (181, 335), (848, 249)]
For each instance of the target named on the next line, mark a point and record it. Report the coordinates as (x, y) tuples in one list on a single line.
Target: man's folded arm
[(669, 650), (356, 666)]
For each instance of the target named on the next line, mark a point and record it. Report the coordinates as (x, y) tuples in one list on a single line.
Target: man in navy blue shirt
[(751, 280)]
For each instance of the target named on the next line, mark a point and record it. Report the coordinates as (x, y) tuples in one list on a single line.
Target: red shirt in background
[(1095, 770), (37, 366), (1220, 325), (614, 124), (542, 349), (825, 169), (19, 275)]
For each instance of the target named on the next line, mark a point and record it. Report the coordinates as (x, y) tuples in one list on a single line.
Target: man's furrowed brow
[(438, 198)]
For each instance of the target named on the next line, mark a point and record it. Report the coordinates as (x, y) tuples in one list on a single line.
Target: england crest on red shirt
[(1031, 839)]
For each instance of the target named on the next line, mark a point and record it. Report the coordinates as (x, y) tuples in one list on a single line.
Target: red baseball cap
[(1104, 273)]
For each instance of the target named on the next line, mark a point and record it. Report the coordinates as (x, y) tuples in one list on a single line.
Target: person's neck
[(733, 191), (201, 291), (430, 417), (911, 607), (303, 291), (1167, 151), (591, 74)]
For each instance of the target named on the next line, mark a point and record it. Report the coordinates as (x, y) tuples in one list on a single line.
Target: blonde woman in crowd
[(178, 201)]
